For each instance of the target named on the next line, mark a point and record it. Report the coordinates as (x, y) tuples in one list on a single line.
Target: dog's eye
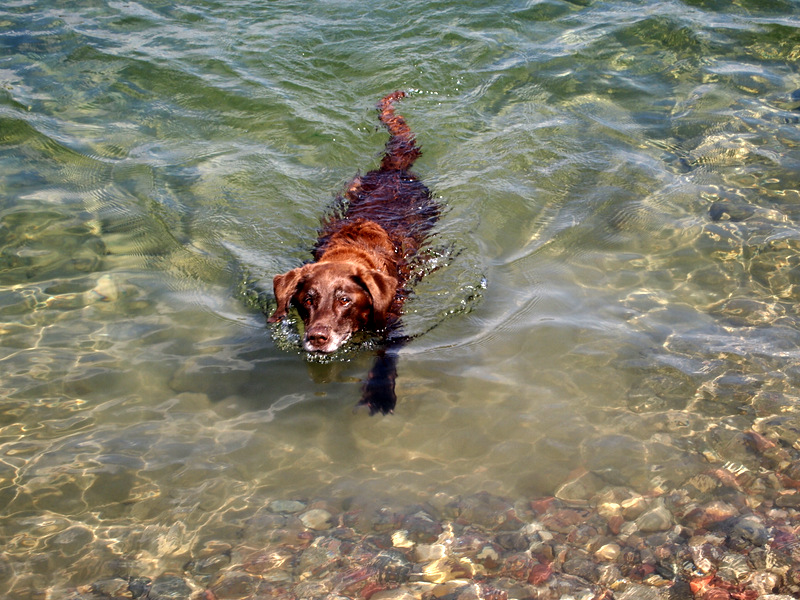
[(344, 300), (308, 301)]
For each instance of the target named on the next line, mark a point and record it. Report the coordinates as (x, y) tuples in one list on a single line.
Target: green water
[(620, 257)]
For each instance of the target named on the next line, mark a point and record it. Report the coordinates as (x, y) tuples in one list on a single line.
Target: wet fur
[(362, 260)]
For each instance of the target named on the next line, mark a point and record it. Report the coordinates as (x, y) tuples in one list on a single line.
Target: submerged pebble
[(169, 587), (286, 506), (656, 519), (608, 552), (316, 518)]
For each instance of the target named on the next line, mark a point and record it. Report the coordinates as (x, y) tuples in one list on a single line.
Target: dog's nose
[(317, 337)]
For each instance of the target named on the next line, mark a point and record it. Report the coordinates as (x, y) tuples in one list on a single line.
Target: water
[(620, 258)]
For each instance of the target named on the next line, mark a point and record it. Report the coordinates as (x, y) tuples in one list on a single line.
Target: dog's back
[(391, 196)]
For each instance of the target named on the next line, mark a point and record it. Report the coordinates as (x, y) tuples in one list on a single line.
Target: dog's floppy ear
[(383, 289), (285, 286)]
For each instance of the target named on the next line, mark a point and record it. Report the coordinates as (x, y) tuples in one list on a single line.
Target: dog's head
[(335, 300)]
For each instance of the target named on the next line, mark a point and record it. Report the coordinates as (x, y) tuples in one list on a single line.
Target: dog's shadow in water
[(378, 388), (378, 394)]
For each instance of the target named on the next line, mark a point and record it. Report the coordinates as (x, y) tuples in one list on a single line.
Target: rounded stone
[(395, 594), (234, 585), (462, 589), (638, 591), (286, 506), (169, 587), (73, 540), (752, 529), (715, 512), (763, 582), (788, 500), (106, 290), (632, 508), (317, 519), (580, 489), (488, 556), (583, 568), (115, 587), (655, 519), (609, 510), (427, 552), (608, 552)]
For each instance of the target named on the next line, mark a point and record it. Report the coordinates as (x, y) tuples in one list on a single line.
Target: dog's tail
[(401, 149)]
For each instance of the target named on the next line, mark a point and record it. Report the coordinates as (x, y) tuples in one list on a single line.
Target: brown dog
[(362, 259)]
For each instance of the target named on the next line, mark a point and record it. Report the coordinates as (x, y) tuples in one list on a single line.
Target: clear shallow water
[(623, 176)]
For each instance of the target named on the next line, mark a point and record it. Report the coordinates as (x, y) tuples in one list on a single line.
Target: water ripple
[(612, 288)]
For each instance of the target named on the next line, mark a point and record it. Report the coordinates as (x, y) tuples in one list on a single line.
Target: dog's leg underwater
[(378, 393)]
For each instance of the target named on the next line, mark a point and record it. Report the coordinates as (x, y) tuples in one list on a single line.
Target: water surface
[(619, 258)]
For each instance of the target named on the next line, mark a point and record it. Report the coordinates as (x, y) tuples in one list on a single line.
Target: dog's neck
[(368, 240)]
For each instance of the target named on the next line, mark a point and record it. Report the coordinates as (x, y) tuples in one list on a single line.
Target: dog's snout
[(324, 339), (320, 338)]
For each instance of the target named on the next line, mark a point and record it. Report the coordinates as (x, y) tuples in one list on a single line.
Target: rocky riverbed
[(730, 532)]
